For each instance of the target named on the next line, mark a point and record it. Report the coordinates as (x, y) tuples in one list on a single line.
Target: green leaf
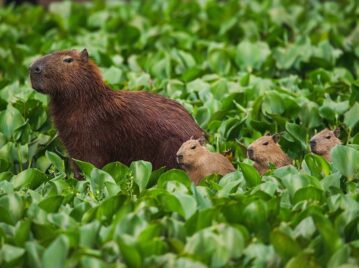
[(200, 220), (106, 210), (331, 238), (85, 167), (117, 170), (98, 19), (22, 232), (317, 165), (91, 262), (167, 201), (309, 193), (98, 180), (88, 234), (216, 245), (293, 180), (10, 120), (330, 181), (112, 75), (250, 174), (219, 61), (346, 161), (56, 161), (141, 172), (33, 254), (298, 133), (11, 254), (302, 260), (351, 117), (55, 255), (52, 203), (29, 178), (284, 245), (130, 254), (340, 257), (202, 197), (173, 175), (11, 208), (251, 55), (255, 214), (188, 203)]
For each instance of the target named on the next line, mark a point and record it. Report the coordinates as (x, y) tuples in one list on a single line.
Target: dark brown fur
[(198, 162), (266, 150), (99, 125)]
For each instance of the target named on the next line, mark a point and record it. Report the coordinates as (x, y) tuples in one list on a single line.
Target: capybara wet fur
[(99, 125), (198, 162), (266, 150), (323, 142)]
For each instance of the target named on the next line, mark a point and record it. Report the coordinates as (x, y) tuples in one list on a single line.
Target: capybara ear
[(337, 132), (276, 137), (84, 55), (268, 134), (202, 140)]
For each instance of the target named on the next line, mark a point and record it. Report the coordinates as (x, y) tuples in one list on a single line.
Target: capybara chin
[(198, 162), (99, 125), (323, 142), (266, 150)]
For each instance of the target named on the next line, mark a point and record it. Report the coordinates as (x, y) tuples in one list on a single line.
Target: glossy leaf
[(30, 178), (346, 161)]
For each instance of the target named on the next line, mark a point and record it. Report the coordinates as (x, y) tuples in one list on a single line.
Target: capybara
[(266, 150), (198, 162), (324, 141), (100, 125)]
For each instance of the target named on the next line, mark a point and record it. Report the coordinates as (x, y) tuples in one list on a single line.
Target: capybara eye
[(68, 60), (266, 143), (193, 147), (328, 137)]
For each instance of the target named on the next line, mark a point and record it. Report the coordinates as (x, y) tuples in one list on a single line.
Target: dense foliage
[(241, 68)]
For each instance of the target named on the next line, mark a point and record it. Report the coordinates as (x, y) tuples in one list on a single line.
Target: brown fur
[(266, 150), (99, 125), (198, 162), (324, 141)]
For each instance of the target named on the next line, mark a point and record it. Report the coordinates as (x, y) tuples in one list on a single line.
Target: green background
[(241, 68)]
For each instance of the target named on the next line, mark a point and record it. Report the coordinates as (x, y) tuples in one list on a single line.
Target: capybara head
[(266, 150), (190, 151), (263, 147), (324, 141), (64, 73)]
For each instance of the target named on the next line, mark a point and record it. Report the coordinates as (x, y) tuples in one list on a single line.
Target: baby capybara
[(266, 150), (99, 125), (198, 162), (323, 142)]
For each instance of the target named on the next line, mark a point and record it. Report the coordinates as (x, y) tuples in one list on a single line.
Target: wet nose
[(250, 152), (179, 157), (313, 143), (36, 68)]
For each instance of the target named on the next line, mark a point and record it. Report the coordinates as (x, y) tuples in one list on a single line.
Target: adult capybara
[(198, 162), (266, 150), (99, 125), (323, 142)]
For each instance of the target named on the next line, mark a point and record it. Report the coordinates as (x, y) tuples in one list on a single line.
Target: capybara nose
[(250, 153), (313, 143), (36, 68), (179, 157)]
